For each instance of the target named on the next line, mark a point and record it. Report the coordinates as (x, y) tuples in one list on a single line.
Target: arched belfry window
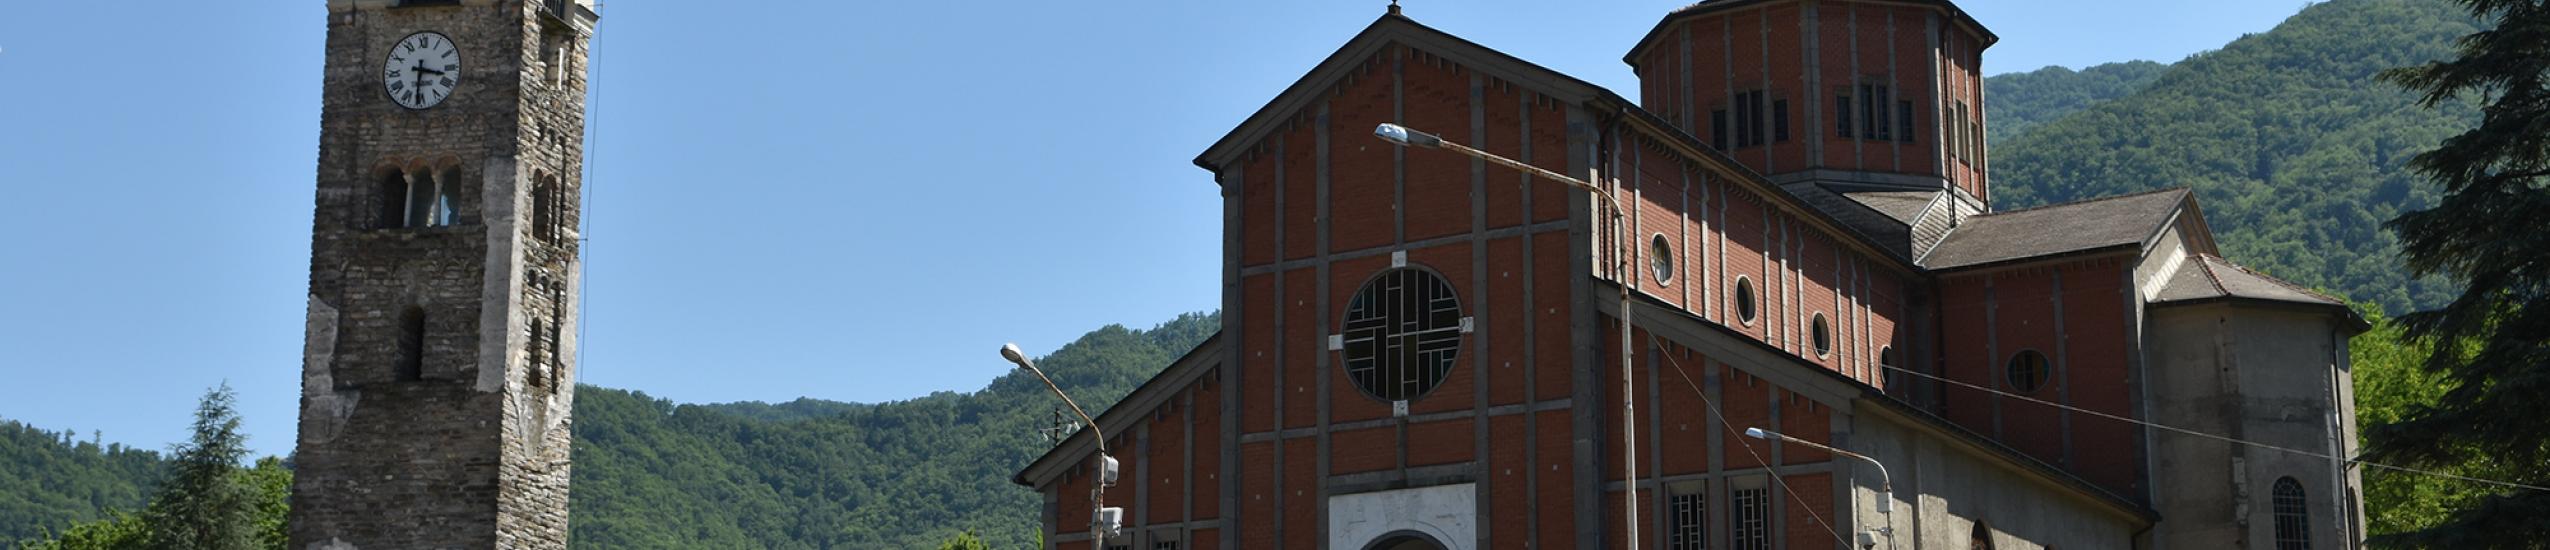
[(2293, 516), (1402, 332), (545, 206), (407, 360), (538, 375), (419, 197), (1981, 539)]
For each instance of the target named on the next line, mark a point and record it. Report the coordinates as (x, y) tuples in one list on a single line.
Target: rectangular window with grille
[(1689, 528), (1752, 518)]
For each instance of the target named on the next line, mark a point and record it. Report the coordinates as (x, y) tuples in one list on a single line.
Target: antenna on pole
[(1058, 428)]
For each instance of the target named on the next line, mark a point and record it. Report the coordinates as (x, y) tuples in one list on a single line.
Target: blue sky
[(847, 200)]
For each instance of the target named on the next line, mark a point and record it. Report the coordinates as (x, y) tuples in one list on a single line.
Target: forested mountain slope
[(2293, 147), (50, 479), (2016, 102), (820, 474)]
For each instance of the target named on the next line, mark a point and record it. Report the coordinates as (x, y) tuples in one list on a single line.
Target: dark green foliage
[(204, 506), (965, 541), (2491, 344), (206, 502), (2295, 151), (2390, 383), (2016, 102), (50, 480), (118, 531), (817, 474)]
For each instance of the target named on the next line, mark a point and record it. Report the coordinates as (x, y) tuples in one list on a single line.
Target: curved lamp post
[(1103, 521), (1408, 137), (1885, 485)]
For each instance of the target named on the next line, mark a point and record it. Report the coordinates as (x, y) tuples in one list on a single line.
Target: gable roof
[(1391, 28), (2117, 222), (1399, 29)]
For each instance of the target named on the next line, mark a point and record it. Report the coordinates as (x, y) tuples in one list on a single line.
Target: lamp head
[(1010, 352), (1756, 433), (1402, 135)]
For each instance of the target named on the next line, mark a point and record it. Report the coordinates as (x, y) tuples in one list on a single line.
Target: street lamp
[(1885, 485), (1103, 521), (1409, 137)]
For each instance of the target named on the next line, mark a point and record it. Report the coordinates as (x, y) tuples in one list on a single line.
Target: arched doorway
[(1404, 541)]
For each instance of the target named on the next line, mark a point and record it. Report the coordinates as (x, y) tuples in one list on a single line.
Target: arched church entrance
[(1404, 541)]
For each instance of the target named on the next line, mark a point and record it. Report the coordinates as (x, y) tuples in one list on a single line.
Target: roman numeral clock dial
[(421, 71)]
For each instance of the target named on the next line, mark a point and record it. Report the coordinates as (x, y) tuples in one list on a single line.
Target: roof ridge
[(2090, 201), (2205, 264), (2288, 285)]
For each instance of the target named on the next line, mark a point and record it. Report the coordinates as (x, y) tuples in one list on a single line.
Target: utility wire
[(1740, 440), (2225, 439)]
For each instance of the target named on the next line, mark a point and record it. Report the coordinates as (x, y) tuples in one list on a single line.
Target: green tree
[(270, 487), (205, 506), (2491, 343), (965, 541), (118, 531)]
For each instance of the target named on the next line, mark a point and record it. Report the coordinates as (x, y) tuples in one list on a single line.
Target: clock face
[(422, 70)]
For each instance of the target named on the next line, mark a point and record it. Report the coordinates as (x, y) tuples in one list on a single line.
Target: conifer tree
[(2492, 342), (205, 506)]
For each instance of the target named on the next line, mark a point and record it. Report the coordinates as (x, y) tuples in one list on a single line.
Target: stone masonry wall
[(470, 449)]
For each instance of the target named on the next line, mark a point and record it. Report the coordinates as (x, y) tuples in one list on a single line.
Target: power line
[(2226, 439), (1775, 476)]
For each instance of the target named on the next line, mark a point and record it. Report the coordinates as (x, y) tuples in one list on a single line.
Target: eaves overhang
[(2347, 317), (1708, 7), (1844, 394), (1389, 29)]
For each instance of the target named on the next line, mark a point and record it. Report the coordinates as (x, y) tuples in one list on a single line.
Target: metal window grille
[(1752, 519), (1402, 332), (1689, 531), (2293, 516)]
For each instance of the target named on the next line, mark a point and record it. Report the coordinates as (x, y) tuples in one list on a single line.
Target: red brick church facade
[(1420, 350)]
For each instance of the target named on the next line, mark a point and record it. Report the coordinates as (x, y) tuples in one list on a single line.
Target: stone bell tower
[(439, 364)]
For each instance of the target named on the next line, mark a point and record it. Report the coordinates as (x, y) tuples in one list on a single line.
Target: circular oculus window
[(1402, 332), (1823, 336), (2029, 371), (1661, 253), (1745, 305)]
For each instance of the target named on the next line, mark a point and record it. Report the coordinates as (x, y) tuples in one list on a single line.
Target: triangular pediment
[(1391, 30)]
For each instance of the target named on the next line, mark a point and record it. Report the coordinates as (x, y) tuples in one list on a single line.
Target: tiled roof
[(1903, 206), (1883, 228), (2058, 229), (2209, 276)]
